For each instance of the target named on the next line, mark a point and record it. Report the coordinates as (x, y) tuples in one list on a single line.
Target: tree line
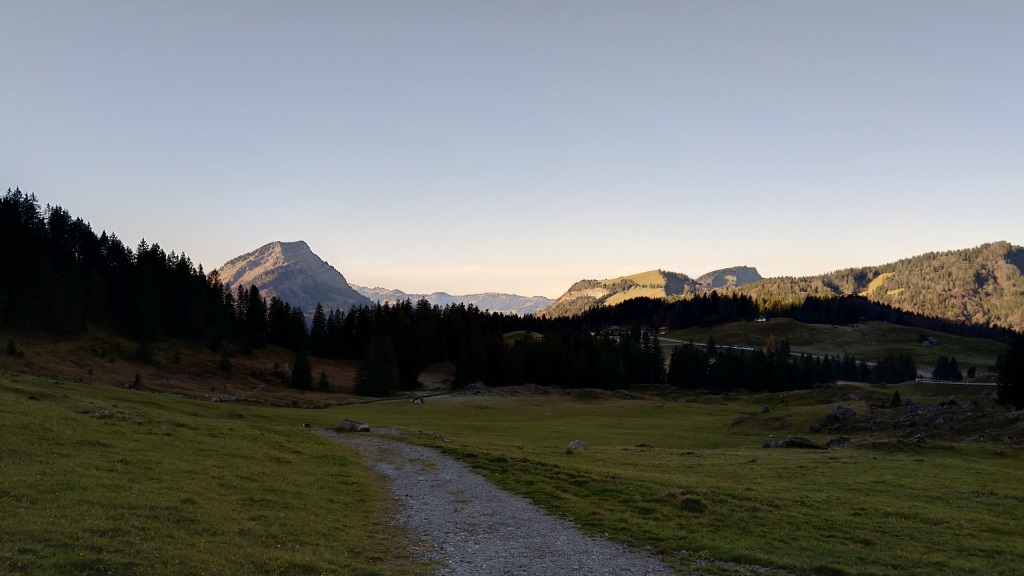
[(60, 276)]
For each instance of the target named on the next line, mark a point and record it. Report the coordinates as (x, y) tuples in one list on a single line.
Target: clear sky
[(520, 146)]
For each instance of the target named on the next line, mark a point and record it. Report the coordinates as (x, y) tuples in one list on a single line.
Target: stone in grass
[(839, 442), (349, 425), (833, 419), (794, 442)]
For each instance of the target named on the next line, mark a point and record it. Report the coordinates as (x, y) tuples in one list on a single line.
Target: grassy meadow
[(690, 480), (98, 480), (869, 341), (101, 480)]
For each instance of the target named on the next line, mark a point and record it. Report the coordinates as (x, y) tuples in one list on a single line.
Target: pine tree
[(318, 332), (1011, 374), (302, 371), (378, 372)]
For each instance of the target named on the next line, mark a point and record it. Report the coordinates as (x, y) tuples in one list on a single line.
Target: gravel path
[(473, 527)]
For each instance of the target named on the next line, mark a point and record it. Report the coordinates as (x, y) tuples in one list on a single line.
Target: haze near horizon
[(467, 148)]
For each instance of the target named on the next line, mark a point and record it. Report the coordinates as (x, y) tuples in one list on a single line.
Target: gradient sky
[(521, 146)]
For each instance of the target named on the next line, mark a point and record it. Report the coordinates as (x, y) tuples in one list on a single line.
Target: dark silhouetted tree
[(378, 372), (1010, 364), (302, 371)]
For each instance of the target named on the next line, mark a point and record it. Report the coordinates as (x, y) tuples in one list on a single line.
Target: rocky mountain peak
[(293, 273)]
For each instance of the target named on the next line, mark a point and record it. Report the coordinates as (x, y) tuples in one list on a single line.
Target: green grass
[(870, 341), (692, 476), (106, 481)]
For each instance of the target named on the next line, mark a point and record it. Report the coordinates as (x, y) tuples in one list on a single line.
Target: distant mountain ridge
[(982, 285), (652, 284), (294, 274), (495, 302)]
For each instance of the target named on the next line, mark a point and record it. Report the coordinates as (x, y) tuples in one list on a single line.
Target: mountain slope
[(981, 285), (495, 302), (293, 273), (652, 284)]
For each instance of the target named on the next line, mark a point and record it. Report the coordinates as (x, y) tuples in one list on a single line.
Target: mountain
[(729, 277), (982, 285), (653, 284), (495, 302), (294, 274)]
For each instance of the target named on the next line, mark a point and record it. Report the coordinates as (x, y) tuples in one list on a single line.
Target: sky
[(519, 146)]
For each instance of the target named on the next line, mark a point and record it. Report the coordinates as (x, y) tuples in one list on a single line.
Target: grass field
[(104, 481), (870, 341), (690, 480)]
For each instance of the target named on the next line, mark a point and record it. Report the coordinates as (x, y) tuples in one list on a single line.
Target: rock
[(349, 425), (765, 409), (841, 413), (839, 442), (794, 442), (577, 444), (918, 439), (837, 416)]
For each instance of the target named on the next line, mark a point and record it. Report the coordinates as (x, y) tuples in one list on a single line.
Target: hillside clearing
[(869, 341)]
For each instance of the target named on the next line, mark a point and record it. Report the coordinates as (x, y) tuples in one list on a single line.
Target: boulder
[(794, 442), (833, 419), (349, 425), (839, 442)]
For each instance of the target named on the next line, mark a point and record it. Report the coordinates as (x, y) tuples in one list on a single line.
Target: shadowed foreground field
[(105, 481)]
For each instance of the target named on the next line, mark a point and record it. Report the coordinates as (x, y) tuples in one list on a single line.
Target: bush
[(225, 362)]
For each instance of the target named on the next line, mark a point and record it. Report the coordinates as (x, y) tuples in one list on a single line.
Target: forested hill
[(982, 285), (586, 294)]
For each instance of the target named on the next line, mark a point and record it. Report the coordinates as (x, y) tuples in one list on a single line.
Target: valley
[(158, 412)]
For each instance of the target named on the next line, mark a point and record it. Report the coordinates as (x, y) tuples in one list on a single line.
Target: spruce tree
[(1010, 389), (318, 331), (302, 371), (378, 372)]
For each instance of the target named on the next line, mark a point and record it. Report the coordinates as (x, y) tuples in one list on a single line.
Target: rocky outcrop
[(294, 274), (833, 420)]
